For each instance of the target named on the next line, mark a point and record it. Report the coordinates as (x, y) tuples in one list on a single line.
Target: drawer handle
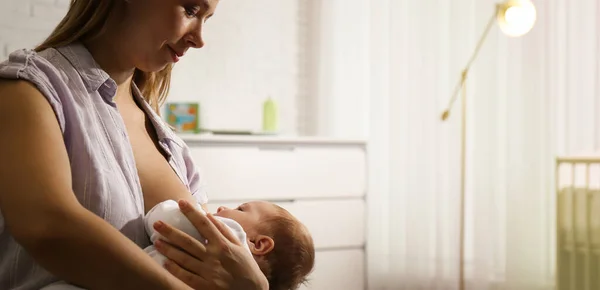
[(277, 148), (281, 200)]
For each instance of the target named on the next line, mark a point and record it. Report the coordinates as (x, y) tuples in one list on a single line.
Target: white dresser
[(321, 181)]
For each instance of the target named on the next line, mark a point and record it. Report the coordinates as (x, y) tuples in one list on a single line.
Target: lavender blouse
[(104, 174)]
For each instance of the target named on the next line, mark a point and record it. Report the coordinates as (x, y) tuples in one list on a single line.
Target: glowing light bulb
[(516, 17)]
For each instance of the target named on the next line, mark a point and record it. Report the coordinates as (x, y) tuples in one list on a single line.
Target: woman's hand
[(223, 263)]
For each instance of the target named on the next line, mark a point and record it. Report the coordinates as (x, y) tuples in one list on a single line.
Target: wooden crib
[(578, 223)]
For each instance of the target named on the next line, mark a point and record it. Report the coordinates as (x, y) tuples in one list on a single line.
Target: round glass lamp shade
[(516, 17)]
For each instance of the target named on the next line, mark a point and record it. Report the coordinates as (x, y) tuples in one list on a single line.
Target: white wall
[(253, 50), (24, 23)]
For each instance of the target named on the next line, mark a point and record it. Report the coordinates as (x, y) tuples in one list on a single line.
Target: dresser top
[(210, 139)]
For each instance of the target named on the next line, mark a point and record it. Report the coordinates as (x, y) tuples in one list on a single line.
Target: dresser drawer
[(332, 223), (337, 270), (281, 172)]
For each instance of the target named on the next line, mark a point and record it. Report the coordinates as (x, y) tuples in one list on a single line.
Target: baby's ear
[(261, 245)]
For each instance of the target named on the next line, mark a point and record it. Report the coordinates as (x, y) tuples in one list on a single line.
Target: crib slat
[(573, 254), (588, 230), (559, 240), (596, 254)]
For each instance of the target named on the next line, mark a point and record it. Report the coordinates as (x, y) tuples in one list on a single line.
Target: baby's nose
[(221, 208)]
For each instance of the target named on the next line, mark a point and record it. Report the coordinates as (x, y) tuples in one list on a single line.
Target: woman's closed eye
[(191, 10)]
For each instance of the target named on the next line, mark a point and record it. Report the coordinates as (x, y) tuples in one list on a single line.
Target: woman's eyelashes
[(191, 10)]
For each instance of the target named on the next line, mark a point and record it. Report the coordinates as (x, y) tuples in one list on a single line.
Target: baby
[(280, 244)]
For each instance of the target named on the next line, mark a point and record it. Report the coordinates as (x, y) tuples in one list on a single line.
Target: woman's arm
[(42, 213)]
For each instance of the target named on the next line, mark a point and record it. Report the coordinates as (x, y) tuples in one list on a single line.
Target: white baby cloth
[(168, 211)]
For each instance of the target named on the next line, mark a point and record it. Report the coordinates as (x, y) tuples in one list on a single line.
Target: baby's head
[(280, 244)]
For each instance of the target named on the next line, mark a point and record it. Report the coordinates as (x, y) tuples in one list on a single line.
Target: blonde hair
[(86, 20)]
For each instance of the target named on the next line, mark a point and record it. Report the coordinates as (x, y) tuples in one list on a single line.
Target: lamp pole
[(524, 10), (461, 86)]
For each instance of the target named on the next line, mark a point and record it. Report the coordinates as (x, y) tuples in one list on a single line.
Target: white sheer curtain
[(529, 98)]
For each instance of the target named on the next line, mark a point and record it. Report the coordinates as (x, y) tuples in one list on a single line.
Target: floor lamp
[(515, 18)]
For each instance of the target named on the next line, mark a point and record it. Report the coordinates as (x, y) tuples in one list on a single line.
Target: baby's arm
[(168, 212)]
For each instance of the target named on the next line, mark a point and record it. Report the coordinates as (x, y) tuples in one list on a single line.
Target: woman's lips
[(174, 55)]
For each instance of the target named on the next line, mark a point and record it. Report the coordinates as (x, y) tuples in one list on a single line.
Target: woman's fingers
[(191, 264), (187, 277), (224, 230), (180, 239), (201, 222)]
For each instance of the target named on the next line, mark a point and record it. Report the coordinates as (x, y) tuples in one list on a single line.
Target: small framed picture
[(184, 117)]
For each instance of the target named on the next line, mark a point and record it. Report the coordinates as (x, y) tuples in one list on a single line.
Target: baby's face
[(249, 215)]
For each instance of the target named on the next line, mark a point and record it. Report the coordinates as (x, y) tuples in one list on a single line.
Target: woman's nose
[(195, 38), (196, 42)]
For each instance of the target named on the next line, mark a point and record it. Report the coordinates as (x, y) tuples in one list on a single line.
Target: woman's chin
[(154, 67)]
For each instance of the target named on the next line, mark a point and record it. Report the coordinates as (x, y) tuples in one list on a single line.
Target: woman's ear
[(261, 245)]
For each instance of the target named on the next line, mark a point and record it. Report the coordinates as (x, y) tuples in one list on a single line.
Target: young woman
[(84, 155)]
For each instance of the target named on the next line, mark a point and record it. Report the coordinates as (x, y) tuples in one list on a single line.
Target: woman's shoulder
[(31, 64), (44, 69), (39, 69)]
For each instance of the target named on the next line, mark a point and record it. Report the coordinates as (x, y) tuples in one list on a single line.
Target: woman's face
[(161, 31)]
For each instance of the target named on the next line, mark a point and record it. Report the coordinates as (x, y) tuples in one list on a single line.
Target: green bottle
[(269, 116)]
